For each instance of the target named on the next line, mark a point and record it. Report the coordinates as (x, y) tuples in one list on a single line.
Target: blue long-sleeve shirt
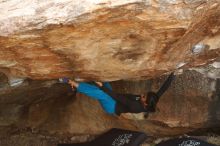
[(106, 101)]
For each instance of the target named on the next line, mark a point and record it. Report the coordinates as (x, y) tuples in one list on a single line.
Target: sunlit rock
[(108, 40), (105, 40)]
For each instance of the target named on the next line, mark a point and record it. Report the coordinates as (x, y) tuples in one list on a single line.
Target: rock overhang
[(106, 40)]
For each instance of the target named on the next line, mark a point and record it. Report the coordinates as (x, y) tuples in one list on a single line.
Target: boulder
[(106, 40)]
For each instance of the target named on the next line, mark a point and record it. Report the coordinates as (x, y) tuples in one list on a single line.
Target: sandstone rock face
[(105, 40), (191, 103), (108, 40), (192, 99)]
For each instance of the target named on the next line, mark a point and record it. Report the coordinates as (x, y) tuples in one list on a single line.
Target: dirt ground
[(33, 138)]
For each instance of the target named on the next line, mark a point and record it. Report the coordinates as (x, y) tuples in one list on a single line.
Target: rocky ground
[(33, 138)]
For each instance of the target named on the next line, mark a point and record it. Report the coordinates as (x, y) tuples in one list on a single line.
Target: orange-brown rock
[(106, 40), (191, 103)]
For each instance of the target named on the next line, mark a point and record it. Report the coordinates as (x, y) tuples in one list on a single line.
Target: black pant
[(125, 104), (128, 103)]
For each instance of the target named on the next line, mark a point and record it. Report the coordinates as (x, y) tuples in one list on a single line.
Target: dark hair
[(151, 101)]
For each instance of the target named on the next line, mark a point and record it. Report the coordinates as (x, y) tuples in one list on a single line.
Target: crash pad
[(186, 141), (115, 137)]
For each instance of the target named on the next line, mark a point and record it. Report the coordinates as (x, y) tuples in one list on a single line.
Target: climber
[(114, 103)]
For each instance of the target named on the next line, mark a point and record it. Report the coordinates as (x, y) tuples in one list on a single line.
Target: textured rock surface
[(191, 103), (105, 40), (192, 99)]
